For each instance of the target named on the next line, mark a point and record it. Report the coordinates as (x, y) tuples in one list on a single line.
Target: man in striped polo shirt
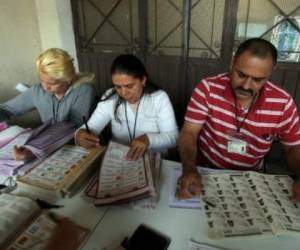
[(233, 118)]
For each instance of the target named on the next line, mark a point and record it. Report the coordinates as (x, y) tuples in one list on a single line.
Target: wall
[(28, 27), (19, 45), (55, 25)]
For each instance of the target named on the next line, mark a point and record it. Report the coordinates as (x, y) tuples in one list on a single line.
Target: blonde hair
[(57, 64)]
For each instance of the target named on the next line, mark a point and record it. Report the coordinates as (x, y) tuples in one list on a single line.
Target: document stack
[(121, 180), (10, 137), (61, 174), (47, 138), (10, 133), (24, 226), (41, 142)]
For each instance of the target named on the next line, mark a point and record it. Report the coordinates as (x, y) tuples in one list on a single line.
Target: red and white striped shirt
[(273, 115)]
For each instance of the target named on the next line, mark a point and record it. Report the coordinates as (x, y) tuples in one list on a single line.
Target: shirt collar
[(67, 92)]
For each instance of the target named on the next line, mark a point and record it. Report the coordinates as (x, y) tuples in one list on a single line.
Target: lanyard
[(240, 124), (55, 110), (132, 136)]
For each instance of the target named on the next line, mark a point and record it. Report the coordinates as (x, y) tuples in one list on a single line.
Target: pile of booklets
[(7, 134), (41, 142), (23, 225), (47, 138), (121, 180), (61, 174)]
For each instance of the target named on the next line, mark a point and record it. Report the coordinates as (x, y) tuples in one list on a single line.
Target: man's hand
[(138, 147), (86, 139), (190, 184), (296, 190), (22, 153)]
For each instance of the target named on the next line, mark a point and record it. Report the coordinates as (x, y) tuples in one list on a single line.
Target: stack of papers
[(8, 165), (9, 134), (61, 173), (194, 245), (121, 180), (41, 142), (23, 225), (47, 138), (173, 199)]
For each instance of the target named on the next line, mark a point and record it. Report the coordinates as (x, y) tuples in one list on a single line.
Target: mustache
[(241, 89)]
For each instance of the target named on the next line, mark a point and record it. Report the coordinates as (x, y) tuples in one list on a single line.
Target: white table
[(75, 208), (109, 225), (179, 224), (81, 212)]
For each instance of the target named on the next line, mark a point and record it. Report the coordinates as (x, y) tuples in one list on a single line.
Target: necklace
[(132, 135), (240, 124), (55, 109)]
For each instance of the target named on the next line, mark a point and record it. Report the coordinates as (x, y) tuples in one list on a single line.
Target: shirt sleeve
[(197, 109), (168, 130), (18, 106), (101, 117), (288, 128), (83, 104)]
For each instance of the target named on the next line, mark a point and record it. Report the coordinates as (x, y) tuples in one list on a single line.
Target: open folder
[(23, 225), (121, 180), (61, 174)]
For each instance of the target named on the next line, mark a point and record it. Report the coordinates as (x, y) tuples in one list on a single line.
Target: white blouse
[(155, 118)]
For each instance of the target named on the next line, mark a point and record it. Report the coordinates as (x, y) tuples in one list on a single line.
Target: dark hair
[(257, 47), (130, 65)]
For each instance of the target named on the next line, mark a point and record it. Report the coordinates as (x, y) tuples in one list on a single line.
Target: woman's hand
[(22, 153), (138, 147), (86, 139)]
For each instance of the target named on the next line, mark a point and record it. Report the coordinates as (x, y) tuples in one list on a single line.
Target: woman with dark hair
[(140, 113)]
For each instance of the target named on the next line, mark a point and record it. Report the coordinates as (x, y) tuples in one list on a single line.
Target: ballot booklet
[(23, 225), (61, 174), (121, 180), (40, 141), (249, 204)]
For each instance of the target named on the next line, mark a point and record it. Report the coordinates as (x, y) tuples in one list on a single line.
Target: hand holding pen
[(85, 138), (85, 124)]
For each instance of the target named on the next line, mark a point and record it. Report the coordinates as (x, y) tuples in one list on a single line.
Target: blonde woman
[(62, 95)]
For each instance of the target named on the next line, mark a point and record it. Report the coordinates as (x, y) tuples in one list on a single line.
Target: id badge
[(237, 144)]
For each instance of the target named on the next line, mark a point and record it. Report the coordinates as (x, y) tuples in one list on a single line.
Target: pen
[(46, 205), (86, 125), (209, 203)]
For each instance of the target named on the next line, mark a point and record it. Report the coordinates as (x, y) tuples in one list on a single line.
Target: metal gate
[(180, 41)]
